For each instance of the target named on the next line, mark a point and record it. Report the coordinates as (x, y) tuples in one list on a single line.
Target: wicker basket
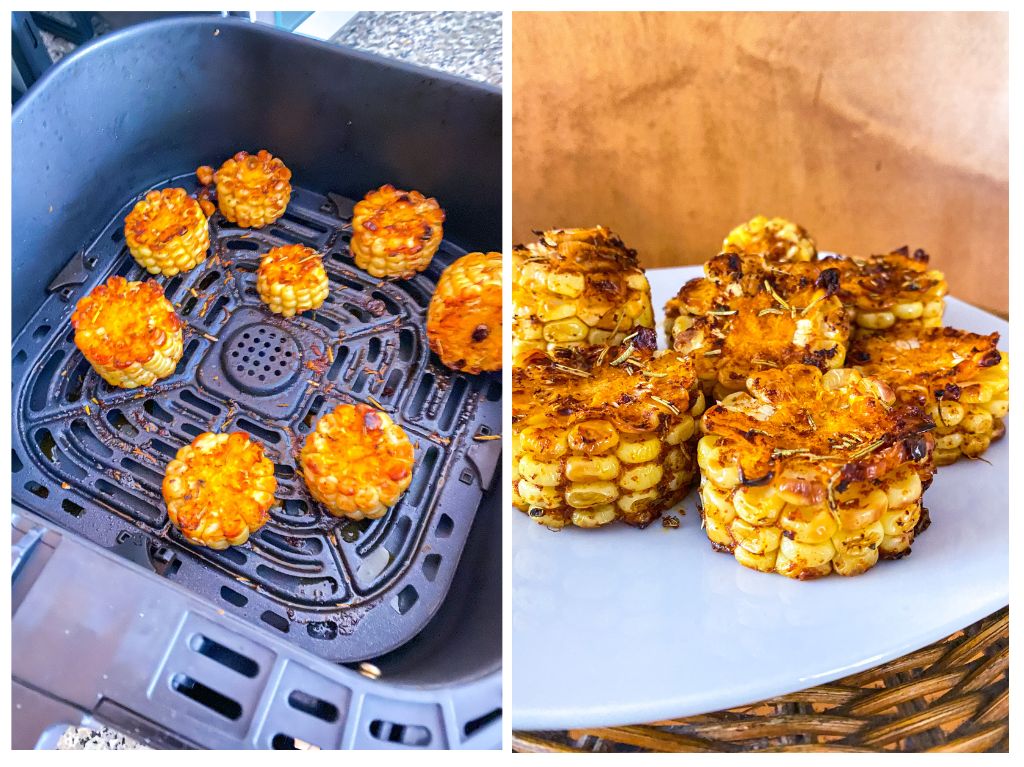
[(950, 696)]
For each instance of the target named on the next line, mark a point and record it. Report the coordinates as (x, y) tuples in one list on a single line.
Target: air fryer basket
[(116, 120)]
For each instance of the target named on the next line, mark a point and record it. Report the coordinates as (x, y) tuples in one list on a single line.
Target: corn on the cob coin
[(291, 279), (600, 435), (811, 473), (219, 490), (961, 379), (576, 288), (747, 315), (167, 232), (253, 190), (395, 233), (129, 332), (464, 317), (357, 462), (777, 239), (890, 291)]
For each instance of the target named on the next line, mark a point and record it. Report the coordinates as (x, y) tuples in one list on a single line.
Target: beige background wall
[(872, 130)]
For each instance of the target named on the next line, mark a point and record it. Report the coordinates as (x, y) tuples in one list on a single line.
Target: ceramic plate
[(621, 626)]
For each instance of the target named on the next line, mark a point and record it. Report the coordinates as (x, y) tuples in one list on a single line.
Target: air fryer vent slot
[(92, 456)]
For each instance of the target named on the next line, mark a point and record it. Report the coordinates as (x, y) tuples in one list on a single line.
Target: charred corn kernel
[(253, 190), (808, 473), (291, 279), (464, 317), (777, 239), (961, 379), (357, 462), (748, 314), (395, 233), (128, 332), (890, 292), (576, 288), (167, 232), (219, 490), (594, 442)]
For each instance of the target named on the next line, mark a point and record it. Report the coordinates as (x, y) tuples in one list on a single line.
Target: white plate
[(620, 626)]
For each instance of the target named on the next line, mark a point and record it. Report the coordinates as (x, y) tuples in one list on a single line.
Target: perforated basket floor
[(91, 457)]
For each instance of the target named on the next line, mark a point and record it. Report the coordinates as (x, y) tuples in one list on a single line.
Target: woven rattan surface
[(950, 696)]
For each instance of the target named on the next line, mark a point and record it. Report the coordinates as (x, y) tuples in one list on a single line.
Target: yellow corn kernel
[(758, 505), (582, 495), (638, 450), (540, 472), (641, 477), (581, 469)]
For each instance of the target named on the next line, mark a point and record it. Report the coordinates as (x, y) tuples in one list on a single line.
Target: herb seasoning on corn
[(253, 190), (291, 279), (395, 233), (811, 473), (219, 489), (357, 462), (961, 379), (576, 288), (129, 332), (167, 232)]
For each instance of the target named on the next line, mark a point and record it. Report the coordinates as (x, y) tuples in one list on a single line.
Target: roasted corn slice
[(777, 239), (811, 473), (357, 462), (395, 233), (219, 489), (464, 317), (167, 232), (961, 379), (253, 190), (128, 332), (576, 288), (291, 279), (600, 435), (747, 315), (889, 291)]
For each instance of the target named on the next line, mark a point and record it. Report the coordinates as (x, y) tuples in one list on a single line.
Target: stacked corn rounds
[(464, 317), (357, 462), (576, 288), (219, 489), (890, 291), (603, 434), (810, 472), (253, 190), (746, 316), (292, 279), (128, 332), (778, 240), (167, 232), (395, 233), (961, 379)]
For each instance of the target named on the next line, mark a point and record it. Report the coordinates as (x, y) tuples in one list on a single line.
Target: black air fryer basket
[(117, 619)]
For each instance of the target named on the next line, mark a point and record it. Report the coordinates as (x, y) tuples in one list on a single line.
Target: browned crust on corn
[(600, 435), (576, 288), (894, 289), (128, 331), (292, 279), (357, 462), (167, 232), (395, 233), (832, 456), (961, 379), (219, 489), (253, 190), (747, 315), (777, 239), (464, 317)]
